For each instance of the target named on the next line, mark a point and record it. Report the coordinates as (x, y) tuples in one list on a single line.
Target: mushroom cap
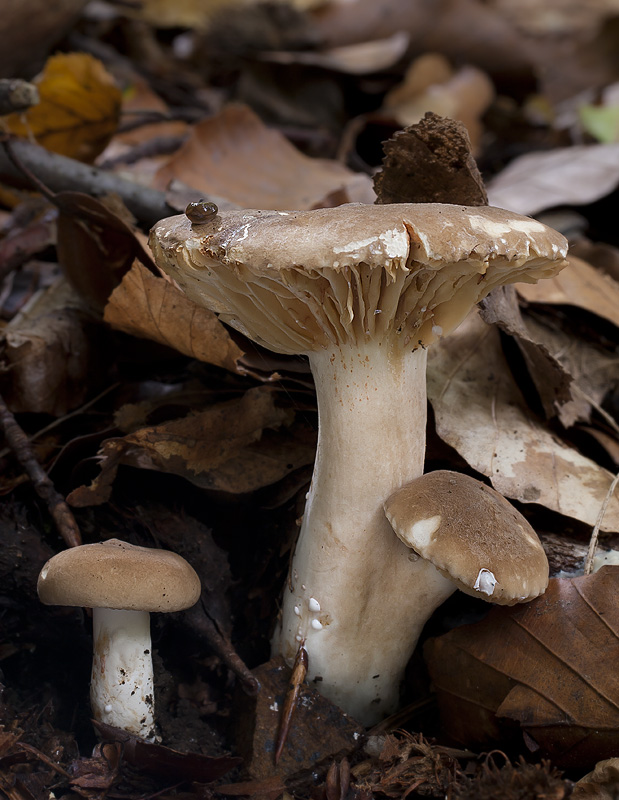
[(115, 574), (299, 281), (472, 535)]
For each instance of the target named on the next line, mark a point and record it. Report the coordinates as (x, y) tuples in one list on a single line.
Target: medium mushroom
[(362, 290), (472, 535), (122, 584)]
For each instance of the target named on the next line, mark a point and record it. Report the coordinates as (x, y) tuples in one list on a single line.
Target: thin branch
[(21, 449), (59, 173)]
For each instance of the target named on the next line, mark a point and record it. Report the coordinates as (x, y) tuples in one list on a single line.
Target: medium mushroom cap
[(472, 535), (299, 281), (119, 575)]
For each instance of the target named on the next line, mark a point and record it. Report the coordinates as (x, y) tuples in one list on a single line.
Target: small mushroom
[(122, 583), (472, 536), (362, 290)]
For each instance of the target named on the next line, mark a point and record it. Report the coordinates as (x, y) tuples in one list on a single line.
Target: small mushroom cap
[(119, 575), (472, 535), (299, 281)]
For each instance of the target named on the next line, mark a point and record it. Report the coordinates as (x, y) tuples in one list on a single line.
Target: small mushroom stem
[(122, 686), (354, 594)]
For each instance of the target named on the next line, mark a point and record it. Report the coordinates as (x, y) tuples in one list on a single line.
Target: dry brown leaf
[(463, 95), (579, 284), (153, 308), (549, 665), (235, 156), (78, 111), (481, 412), (138, 98), (353, 59), (224, 448), (564, 176)]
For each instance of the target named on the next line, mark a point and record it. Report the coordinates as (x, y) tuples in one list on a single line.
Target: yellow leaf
[(78, 111)]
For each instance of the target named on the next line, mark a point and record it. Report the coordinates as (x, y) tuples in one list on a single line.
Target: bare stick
[(65, 174), (200, 622), (20, 446), (17, 95)]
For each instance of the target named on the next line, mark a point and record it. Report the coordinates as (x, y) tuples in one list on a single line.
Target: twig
[(299, 671), (204, 626), (61, 420), (59, 174), (157, 146), (593, 542), (20, 446), (17, 95)]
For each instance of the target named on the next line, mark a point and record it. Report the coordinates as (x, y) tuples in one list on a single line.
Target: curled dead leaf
[(153, 308), (481, 412), (549, 665), (580, 285), (564, 176), (235, 156)]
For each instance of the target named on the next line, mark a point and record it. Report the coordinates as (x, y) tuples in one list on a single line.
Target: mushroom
[(122, 583), (362, 290), (472, 535)]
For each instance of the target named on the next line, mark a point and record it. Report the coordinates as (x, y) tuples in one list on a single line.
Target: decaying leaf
[(50, 354), (96, 244), (481, 412), (79, 108), (156, 759), (354, 59), (224, 448), (153, 308), (600, 784), (579, 284), (549, 665), (552, 380), (235, 156), (463, 95), (564, 176)]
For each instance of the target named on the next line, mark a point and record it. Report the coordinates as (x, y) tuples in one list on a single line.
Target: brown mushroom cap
[(297, 281), (119, 575), (472, 535)]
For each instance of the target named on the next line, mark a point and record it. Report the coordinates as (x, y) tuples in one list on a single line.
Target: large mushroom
[(123, 584), (362, 290)]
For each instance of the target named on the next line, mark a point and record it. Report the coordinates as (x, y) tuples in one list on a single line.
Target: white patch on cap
[(351, 247), (485, 582), (480, 223), (313, 604), (316, 624), (393, 244), (297, 611), (107, 708), (437, 330), (396, 243), (423, 530)]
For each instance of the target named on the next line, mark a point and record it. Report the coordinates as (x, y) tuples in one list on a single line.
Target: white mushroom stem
[(356, 594), (121, 689)]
